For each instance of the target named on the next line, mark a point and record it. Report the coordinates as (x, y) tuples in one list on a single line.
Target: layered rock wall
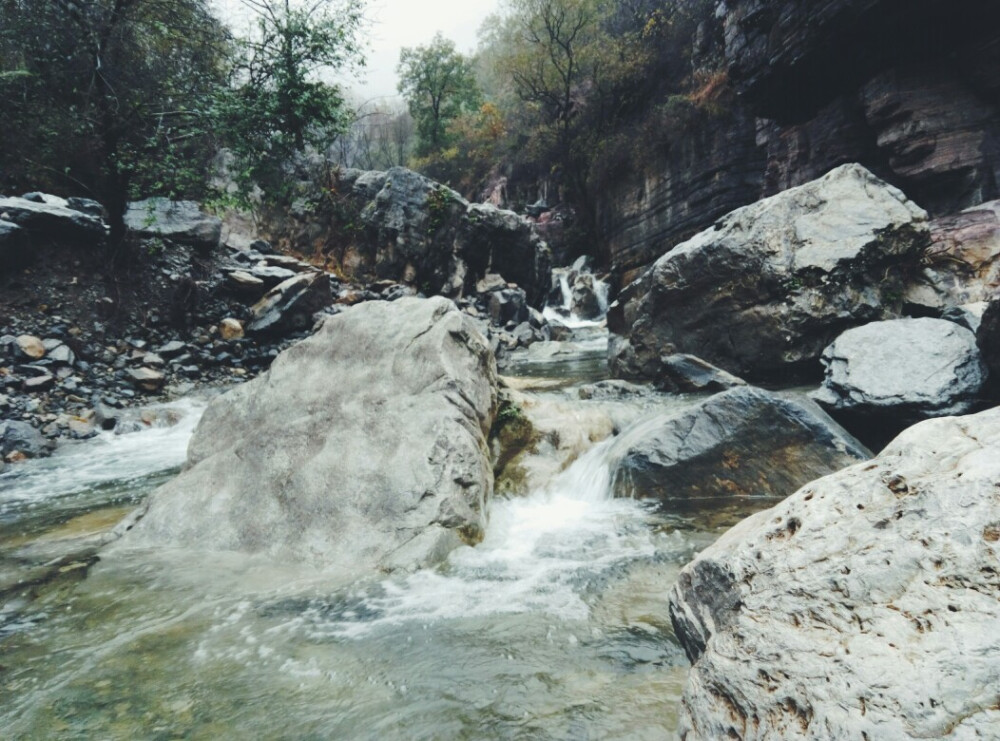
[(907, 89)]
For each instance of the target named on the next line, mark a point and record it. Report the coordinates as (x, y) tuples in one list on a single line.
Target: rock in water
[(363, 446), (762, 292), (742, 442), (866, 605), (887, 375)]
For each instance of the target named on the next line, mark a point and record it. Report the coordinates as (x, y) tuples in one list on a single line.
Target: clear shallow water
[(555, 627)]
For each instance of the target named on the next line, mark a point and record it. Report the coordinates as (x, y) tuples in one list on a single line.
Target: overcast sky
[(398, 23)]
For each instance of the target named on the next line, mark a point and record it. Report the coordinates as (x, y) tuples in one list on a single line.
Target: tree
[(109, 97), (439, 85), (281, 99)]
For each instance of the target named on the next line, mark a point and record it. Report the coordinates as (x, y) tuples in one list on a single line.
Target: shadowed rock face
[(743, 442), (907, 88), (863, 605), (363, 446), (766, 289)]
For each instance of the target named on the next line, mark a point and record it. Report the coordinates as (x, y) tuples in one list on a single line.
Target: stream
[(554, 627)]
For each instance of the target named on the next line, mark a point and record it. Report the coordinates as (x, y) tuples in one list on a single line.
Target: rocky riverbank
[(195, 303)]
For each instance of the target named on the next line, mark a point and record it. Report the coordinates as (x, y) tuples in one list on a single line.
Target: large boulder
[(494, 240), (887, 375), (742, 442), (401, 226), (865, 605), (362, 447), (766, 289), (52, 218), (179, 221)]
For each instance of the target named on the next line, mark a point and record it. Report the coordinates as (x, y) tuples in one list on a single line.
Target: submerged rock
[(762, 292), (894, 373), (863, 606), (742, 442), (363, 446)]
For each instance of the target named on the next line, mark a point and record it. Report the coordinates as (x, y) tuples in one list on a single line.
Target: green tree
[(281, 98), (108, 98), (439, 85)]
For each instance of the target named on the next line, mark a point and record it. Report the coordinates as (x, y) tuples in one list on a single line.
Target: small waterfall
[(561, 308)]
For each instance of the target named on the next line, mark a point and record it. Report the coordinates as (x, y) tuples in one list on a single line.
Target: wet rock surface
[(863, 605), (363, 446), (742, 442)]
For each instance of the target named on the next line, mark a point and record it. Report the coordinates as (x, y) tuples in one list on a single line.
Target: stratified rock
[(742, 442), (179, 221), (148, 379), (962, 264), (762, 292), (289, 306), (897, 372), (689, 374), (15, 249), (863, 606), (53, 220), (245, 283), (362, 447)]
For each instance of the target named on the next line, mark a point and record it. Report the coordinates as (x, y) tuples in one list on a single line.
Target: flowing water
[(555, 627)]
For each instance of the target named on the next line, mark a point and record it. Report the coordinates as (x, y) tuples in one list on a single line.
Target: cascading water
[(554, 627), (563, 312)]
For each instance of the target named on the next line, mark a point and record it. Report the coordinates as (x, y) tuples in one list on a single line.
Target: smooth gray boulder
[(762, 292), (742, 442), (53, 219), (363, 447), (866, 605), (906, 369), (179, 221)]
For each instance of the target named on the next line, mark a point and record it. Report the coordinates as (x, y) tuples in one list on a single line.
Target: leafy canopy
[(439, 85)]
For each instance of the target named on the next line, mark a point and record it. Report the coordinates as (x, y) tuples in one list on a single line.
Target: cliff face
[(908, 88)]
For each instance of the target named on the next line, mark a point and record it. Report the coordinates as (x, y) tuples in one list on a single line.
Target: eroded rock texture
[(865, 605)]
